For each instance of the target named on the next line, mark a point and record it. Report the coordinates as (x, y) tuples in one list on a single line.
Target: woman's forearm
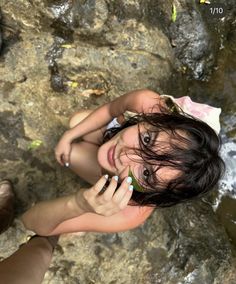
[(45, 216), (136, 101), (97, 119)]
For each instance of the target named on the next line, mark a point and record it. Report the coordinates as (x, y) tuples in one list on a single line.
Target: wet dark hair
[(196, 157)]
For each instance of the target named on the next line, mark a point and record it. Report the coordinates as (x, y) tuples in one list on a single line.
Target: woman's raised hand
[(114, 199), (63, 150)]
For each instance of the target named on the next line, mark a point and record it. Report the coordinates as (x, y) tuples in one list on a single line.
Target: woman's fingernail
[(131, 187), (106, 176), (115, 178), (129, 179), (67, 164)]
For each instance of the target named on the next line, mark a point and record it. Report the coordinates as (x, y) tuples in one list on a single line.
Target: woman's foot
[(6, 205)]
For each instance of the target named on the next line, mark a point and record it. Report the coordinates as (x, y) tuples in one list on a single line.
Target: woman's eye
[(146, 174), (146, 138)]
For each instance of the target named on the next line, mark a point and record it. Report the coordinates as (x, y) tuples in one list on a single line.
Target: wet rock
[(61, 11), (192, 43), (26, 15), (197, 36), (57, 82), (133, 54), (153, 13), (90, 16), (0, 31), (62, 18), (11, 120), (220, 24)]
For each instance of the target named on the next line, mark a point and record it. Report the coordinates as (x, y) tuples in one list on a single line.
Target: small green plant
[(72, 84), (35, 144), (174, 13), (205, 2)]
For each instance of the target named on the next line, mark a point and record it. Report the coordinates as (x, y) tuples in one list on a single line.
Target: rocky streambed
[(61, 56)]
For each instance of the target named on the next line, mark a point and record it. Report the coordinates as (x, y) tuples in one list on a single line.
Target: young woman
[(160, 151)]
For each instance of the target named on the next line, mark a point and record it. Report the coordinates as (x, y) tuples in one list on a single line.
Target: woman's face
[(117, 156)]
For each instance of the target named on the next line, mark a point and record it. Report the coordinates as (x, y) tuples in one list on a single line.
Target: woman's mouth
[(110, 156)]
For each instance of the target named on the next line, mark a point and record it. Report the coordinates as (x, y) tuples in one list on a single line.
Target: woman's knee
[(78, 117)]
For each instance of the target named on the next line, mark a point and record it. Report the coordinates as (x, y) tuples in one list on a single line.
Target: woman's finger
[(111, 188), (66, 155), (59, 159), (66, 160), (98, 187), (122, 190), (126, 198)]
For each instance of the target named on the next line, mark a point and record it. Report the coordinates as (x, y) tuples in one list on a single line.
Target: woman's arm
[(136, 101), (127, 219), (57, 219), (46, 216)]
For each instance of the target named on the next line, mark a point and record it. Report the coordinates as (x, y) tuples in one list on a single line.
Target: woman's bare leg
[(83, 159), (29, 264)]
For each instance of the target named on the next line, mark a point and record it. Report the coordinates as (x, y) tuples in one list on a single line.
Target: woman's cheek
[(101, 154), (124, 173)]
